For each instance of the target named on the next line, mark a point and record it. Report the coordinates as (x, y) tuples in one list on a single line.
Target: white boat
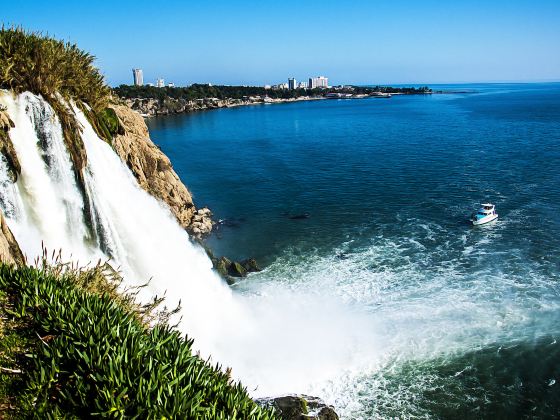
[(485, 214)]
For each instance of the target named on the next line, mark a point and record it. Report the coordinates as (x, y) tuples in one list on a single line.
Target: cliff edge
[(154, 171)]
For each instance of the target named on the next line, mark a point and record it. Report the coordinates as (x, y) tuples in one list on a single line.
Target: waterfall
[(260, 336), (145, 240), (130, 228), (45, 204)]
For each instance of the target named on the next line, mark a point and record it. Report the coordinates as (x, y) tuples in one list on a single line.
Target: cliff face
[(154, 172), (9, 248), (175, 106), (6, 146), (151, 107)]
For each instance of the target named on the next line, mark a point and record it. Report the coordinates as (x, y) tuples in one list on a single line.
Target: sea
[(364, 205)]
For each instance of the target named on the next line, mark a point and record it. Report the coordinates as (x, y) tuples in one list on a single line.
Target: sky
[(265, 42)]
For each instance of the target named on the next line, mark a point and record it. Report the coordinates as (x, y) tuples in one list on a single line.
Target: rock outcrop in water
[(154, 172), (299, 407), (228, 268)]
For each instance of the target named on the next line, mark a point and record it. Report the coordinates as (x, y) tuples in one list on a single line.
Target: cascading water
[(45, 203)]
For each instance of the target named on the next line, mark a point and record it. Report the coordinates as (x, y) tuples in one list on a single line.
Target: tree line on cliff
[(203, 91)]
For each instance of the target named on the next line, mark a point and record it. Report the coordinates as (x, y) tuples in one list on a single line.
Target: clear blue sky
[(258, 42)]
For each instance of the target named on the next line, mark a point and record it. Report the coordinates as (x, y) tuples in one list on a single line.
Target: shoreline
[(153, 107)]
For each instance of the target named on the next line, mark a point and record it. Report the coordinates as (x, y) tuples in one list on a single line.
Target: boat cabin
[(487, 209)]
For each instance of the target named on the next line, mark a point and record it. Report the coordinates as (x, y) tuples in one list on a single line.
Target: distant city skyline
[(362, 42)]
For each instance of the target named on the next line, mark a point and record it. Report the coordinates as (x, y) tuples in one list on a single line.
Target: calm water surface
[(467, 318)]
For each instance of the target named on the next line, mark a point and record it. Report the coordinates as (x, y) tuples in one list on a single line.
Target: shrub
[(30, 61), (61, 73), (97, 357)]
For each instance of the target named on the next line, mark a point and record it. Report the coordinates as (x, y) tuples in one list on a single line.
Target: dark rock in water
[(234, 222), (299, 407), (237, 270), (222, 265), (300, 216), (250, 265), (228, 268)]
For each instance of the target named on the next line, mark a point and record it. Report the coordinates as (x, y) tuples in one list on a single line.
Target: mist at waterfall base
[(394, 306)]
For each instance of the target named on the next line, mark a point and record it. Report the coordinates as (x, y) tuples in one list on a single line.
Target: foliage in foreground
[(95, 356)]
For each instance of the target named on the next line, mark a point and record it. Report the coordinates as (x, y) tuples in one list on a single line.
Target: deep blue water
[(387, 187)]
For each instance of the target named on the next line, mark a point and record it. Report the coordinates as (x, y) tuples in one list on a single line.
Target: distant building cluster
[(319, 82), (138, 77)]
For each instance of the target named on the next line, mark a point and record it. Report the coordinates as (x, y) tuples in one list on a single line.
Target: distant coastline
[(152, 101)]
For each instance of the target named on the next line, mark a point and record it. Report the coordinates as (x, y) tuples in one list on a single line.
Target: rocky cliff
[(9, 248), (154, 172), (152, 106)]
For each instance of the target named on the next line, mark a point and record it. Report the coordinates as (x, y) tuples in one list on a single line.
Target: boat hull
[(484, 220)]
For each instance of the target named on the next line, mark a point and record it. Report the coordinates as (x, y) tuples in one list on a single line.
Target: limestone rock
[(6, 146), (299, 407), (153, 169), (201, 223), (9, 248)]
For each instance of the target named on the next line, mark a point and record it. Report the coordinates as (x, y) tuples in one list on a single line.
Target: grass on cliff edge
[(61, 73), (31, 61), (72, 347)]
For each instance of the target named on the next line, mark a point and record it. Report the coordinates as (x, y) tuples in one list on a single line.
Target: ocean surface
[(366, 203)]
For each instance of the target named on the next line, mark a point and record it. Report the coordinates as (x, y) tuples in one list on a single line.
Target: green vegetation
[(46, 66), (61, 73), (390, 89), (200, 91), (105, 123), (71, 346)]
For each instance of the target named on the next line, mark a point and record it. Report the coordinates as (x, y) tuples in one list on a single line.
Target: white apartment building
[(318, 82), (138, 77)]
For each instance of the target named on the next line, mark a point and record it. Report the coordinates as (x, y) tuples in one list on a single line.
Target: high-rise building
[(160, 83), (292, 84), (318, 82), (138, 77)]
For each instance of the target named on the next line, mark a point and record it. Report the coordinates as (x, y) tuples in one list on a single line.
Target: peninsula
[(152, 100)]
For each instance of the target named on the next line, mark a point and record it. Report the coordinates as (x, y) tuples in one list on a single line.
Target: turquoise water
[(368, 201)]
